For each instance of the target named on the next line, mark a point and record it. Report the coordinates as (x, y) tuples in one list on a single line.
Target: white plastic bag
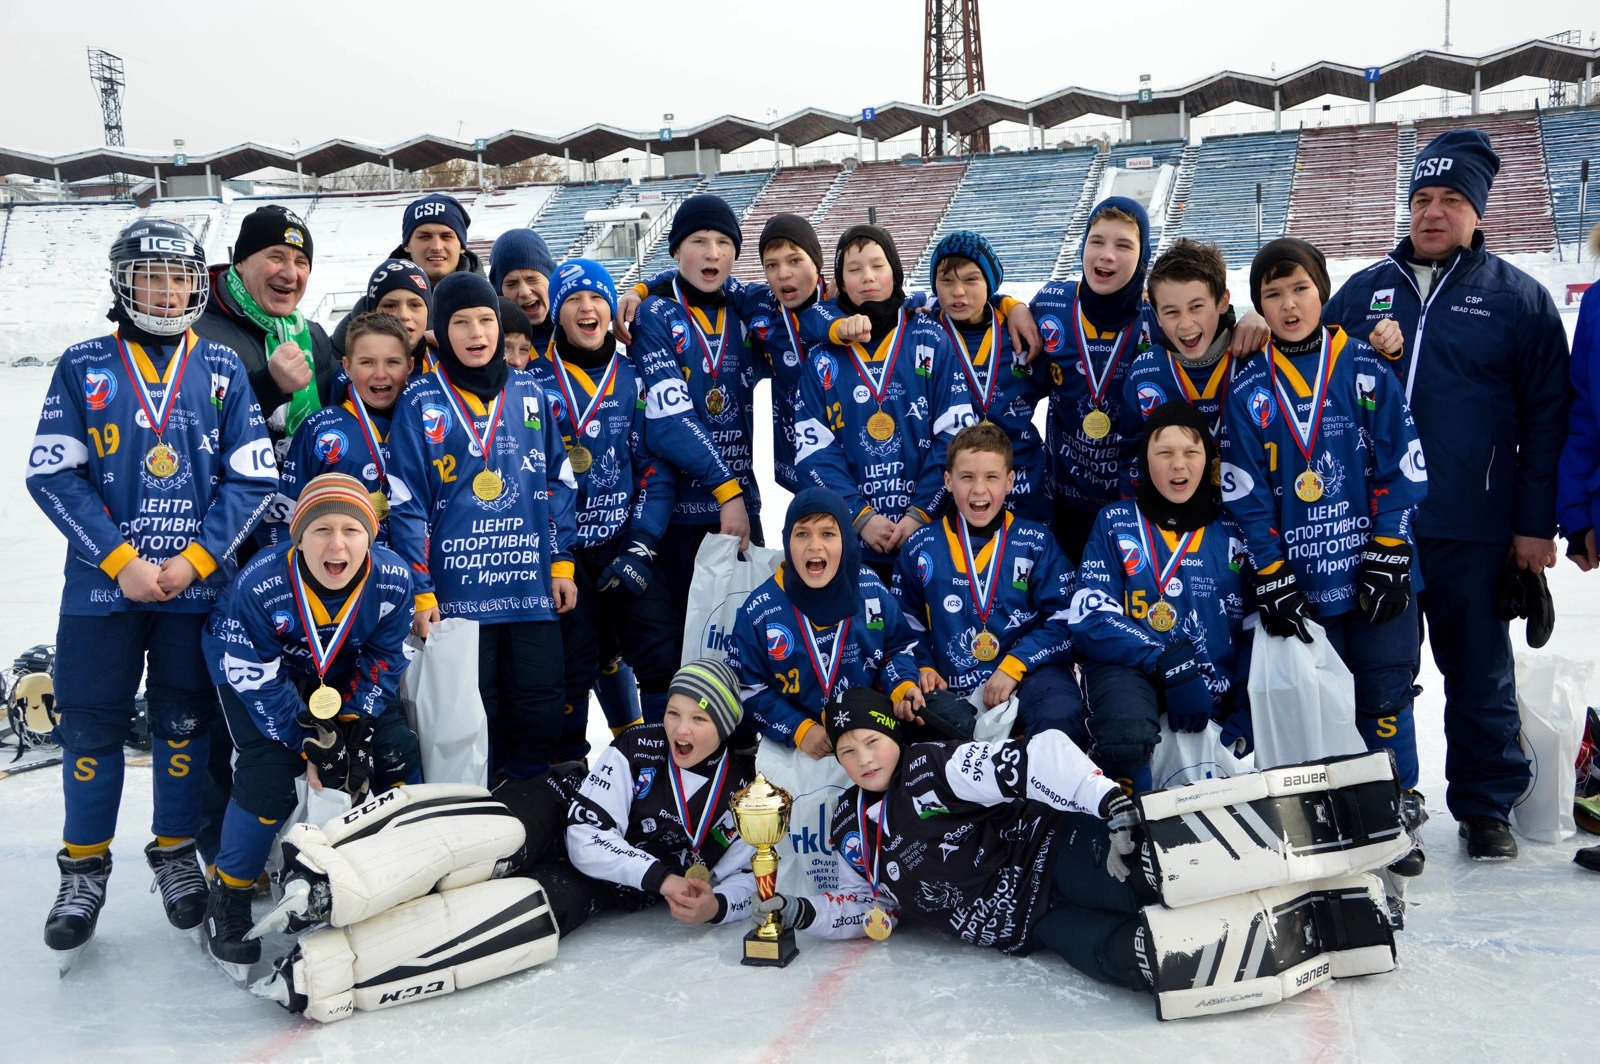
[(1551, 700), (993, 725), (1188, 757), (311, 807), (807, 862), (1302, 700), (722, 581), (439, 692)]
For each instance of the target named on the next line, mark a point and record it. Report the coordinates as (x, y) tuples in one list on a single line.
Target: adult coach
[(1484, 366)]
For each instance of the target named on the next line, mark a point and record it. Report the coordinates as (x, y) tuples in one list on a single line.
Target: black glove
[(1284, 610), (1525, 593), (1187, 696), (630, 568), (1383, 581), (341, 750)]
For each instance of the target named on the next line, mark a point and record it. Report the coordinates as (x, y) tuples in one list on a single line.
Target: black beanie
[(705, 211), (513, 319), (1200, 509), (797, 231), (861, 707), (878, 236), (1460, 159), (463, 290), (267, 227), (1299, 252)]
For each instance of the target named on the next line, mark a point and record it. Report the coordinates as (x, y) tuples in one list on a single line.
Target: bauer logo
[(1052, 333), (435, 423), (99, 388), (1383, 299), (166, 245)]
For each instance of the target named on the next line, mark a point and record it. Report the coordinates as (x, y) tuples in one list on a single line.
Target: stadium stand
[(55, 268), (1569, 138), (561, 223), (1518, 216), (793, 190), (352, 233), (505, 208), (1344, 188), (1221, 204), (1022, 203), (910, 199)]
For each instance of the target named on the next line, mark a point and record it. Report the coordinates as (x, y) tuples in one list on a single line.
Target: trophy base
[(767, 953)]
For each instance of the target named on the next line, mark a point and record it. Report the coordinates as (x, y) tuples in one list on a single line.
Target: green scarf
[(292, 329)]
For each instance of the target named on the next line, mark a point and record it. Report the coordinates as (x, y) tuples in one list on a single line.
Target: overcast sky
[(217, 74)]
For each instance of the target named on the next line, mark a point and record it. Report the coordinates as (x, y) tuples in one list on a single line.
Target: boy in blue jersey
[(1157, 618), (877, 412), (624, 501), (791, 260), (152, 457), (1004, 387), (483, 513), (987, 593), (352, 437), (307, 647), (1323, 470), (821, 624)]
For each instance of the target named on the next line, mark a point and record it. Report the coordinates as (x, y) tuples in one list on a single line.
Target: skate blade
[(66, 958), (239, 973)]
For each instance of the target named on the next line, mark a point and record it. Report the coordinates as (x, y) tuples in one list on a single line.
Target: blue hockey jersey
[(1119, 582), (1004, 389), (489, 560), (1366, 472), (255, 640), (1027, 591), (334, 440), (781, 659), (117, 490), (1158, 376)]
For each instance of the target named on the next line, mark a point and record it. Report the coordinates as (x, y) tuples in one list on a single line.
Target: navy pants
[(1047, 698), (1483, 763), (1124, 722), (1383, 659), (522, 680), (1092, 917), (99, 662), (1072, 527)]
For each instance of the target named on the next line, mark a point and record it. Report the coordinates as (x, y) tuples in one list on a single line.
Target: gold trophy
[(761, 812)]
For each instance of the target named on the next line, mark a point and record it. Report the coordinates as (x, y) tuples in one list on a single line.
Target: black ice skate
[(181, 882), (73, 917), (227, 920)]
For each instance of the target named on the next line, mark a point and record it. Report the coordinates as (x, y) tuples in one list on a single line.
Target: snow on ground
[(1498, 963)]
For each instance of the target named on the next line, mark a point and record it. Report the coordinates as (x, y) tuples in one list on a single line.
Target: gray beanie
[(714, 686)]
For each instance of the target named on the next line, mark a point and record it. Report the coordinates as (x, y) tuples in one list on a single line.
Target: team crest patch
[(1150, 397), (294, 237), (99, 388), (874, 611), (762, 325), (680, 337), (928, 805), (1132, 555), (1021, 569), (642, 785), (780, 642), (1259, 403), (1383, 299), (435, 423), (1236, 554), (530, 411), (283, 622), (331, 446), (850, 850), (1052, 333), (924, 567), (219, 389), (827, 369), (1367, 391)]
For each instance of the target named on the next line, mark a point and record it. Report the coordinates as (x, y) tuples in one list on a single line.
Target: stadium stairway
[(1569, 138), (910, 199), (1518, 217), (1067, 261), (1343, 194), (1178, 196), (1405, 159), (1221, 204)]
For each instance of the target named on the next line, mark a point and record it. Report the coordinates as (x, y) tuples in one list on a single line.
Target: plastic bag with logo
[(807, 861), (723, 579), (1188, 757), (439, 693), (1550, 697), (1302, 700)]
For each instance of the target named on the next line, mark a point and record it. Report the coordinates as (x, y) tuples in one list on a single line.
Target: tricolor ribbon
[(1148, 537), (982, 592), (697, 836), (157, 413), (452, 397), (713, 364), (581, 421), (826, 674), (879, 386), (981, 386), (1220, 378), (873, 878), (1119, 346), (369, 433), (322, 658), (1305, 435)]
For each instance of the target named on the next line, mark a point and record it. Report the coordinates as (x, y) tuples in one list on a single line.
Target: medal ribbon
[(1148, 537), (1119, 346), (825, 675), (982, 387), (792, 325), (861, 823), (715, 364), (983, 593), (460, 408), (879, 387), (1224, 371), (369, 433), (1305, 437), (581, 422), (321, 658), (155, 413), (697, 836)]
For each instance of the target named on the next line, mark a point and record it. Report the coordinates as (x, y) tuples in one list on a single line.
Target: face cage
[(156, 325), (32, 712)]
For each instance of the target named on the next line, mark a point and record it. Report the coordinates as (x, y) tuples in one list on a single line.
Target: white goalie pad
[(1264, 947), (425, 948), (1294, 824)]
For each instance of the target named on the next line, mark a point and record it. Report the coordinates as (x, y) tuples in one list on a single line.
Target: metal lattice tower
[(105, 71), (1558, 89), (952, 68)]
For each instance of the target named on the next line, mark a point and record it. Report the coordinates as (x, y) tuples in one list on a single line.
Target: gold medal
[(324, 702), (1162, 616), (698, 872), (580, 457), (880, 426), (716, 401), (1308, 486), (161, 460), (1216, 472), (488, 485), (1097, 424), (380, 505), (877, 924), (985, 647)]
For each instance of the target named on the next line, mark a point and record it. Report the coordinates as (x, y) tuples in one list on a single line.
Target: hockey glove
[(795, 914), (630, 569), (358, 733), (1383, 581), (1284, 609), (341, 750), (1122, 818), (1238, 733), (1184, 686)]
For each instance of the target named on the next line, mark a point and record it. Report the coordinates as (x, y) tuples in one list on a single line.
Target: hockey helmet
[(163, 253), (32, 709)]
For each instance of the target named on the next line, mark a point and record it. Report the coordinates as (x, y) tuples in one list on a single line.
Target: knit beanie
[(462, 291), (1289, 249), (397, 273), (578, 275), (1460, 159), (714, 688), (705, 211), (1200, 509), (878, 236), (861, 707), (519, 249), (513, 319), (797, 231), (966, 244), (267, 227), (333, 493), (435, 209)]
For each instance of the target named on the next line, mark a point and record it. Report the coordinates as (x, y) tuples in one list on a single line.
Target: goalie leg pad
[(1264, 947), (427, 947), (1293, 824)]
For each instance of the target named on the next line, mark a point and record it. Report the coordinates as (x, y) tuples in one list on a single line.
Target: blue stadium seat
[(1569, 138), (1222, 201)]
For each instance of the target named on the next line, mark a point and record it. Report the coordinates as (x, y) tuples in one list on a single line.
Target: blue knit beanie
[(580, 275), (705, 211), (966, 244), (1460, 159), (435, 209), (519, 249)]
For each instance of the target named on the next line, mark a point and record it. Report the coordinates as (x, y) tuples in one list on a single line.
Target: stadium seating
[(351, 232), (1569, 138), (561, 222), (792, 190), (1344, 189), (1221, 205), (1022, 203), (56, 273), (910, 199), (662, 190), (1518, 216)]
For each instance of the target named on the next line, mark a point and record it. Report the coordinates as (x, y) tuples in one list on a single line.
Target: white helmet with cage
[(158, 275)]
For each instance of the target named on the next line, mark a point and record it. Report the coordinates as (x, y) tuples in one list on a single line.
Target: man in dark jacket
[(253, 310), (1484, 366)]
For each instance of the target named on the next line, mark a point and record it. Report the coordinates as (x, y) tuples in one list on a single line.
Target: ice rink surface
[(1498, 963)]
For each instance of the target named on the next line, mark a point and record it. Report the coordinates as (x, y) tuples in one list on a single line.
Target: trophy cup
[(761, 812)]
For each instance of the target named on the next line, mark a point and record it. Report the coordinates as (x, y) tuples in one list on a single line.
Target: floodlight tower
[(105, 71), (952, 68)]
